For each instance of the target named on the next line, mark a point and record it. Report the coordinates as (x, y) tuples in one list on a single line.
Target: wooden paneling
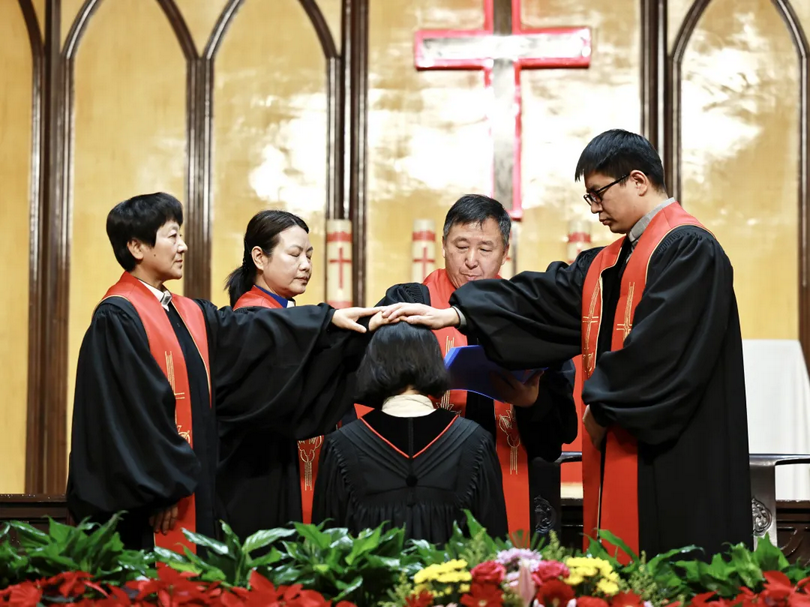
[(740, 142), (428, 140), (15, 175), (270, 133), (129, 138)]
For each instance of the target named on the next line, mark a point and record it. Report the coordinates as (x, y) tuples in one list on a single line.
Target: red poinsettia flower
[(626, 599), (591, 601), (26, 594), (309, 598), (554, 593), (489, 572), (704, 600), (423, 599), (483, 595), (777, 586)]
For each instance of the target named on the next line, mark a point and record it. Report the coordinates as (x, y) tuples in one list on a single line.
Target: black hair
[(616, 153), (477, 208), (139, 218), (400, 356), (262, 231)]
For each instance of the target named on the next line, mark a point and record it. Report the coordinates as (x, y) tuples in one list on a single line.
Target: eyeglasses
[(595, 197)]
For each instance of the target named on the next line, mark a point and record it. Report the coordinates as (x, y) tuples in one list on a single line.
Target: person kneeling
[(408, 463)]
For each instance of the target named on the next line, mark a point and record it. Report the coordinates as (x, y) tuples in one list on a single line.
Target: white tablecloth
[(778, 393)]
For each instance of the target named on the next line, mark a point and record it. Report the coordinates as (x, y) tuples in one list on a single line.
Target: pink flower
[(551, 570)]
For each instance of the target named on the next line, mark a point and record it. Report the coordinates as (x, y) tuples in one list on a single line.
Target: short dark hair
[(401, 356), (616, 153), (139, 218), (477, 208), (262, 231)]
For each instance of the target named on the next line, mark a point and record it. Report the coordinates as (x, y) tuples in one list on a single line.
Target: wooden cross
[(502, 49), (424, 260), (340, 261)]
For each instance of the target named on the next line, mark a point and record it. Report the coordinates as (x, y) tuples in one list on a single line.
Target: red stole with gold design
[(511, 454), (308, 450), (611, 502), (167, 352)]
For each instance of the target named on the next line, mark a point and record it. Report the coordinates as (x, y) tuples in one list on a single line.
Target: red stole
[(167, 352), (613, 503), (512, 456)]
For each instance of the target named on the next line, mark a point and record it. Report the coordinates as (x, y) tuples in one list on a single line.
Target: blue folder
[(470, 370)]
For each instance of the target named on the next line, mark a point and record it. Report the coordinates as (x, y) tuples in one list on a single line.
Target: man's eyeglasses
[(595, 197)]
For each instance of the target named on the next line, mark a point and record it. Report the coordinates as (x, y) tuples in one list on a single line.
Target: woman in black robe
[(407, 463)]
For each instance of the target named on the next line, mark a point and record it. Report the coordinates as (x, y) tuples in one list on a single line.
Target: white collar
[(164, 297), (408, 405)]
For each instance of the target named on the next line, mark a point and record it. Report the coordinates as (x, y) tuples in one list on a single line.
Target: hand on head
[(420, 314)]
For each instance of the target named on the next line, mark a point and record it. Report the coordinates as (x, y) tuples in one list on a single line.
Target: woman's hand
[(346, 318)]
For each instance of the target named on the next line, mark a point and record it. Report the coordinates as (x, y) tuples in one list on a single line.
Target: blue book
[(470, 370)]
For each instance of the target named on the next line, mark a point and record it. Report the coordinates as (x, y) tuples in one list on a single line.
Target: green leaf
[(207, 542), (363, 545), (260, 539), (29, 536), (768, 556), (274, 556), (610, 537), (347, 589), (313, 534)]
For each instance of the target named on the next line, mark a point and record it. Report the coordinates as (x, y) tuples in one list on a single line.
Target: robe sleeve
[(532, 320), (652, 385), (488, 504), (552, 421), (331, 498), (287, 370), (126, 453)]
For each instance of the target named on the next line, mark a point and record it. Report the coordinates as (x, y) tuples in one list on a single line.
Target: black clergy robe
[(416, 472), (676, 386), (258, 478), (126, 452), (544, 427)]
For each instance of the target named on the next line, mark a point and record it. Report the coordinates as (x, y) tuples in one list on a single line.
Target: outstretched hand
[(420, 314), (346, 318), (595, 431), (518, 394)]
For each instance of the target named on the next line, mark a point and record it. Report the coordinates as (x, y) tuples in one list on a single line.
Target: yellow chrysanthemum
[(464, 588), (574, 580), (607, 588)]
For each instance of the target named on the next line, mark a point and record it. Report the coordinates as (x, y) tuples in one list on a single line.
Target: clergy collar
[(408, 405), (283, 301), (164, 296), (638, 229)]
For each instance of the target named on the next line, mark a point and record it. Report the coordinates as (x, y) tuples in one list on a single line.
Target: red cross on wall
[(502, 49), (340, 261), (424, 260)]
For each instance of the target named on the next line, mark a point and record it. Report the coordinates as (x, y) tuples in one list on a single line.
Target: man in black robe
[(664, 386), (128, 449), (475, 244)]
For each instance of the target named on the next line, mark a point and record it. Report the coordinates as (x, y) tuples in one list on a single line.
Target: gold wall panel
[(39, 8), (200, 17), (269, 148), (676, 13), (130, 139), (70, 9), (331, 10), (740, 155), (427, 134), (563, 109), (15, 167)]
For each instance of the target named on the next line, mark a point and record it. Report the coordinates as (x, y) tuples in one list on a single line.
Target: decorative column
[(423, 249), (509, 269), (579, 237), (339, 263)]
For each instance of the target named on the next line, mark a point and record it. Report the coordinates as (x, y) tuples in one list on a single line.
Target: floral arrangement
[(310, 566)]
